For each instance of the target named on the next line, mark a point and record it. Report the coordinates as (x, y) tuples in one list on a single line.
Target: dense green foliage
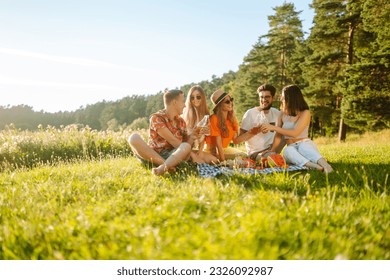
[(115, 209), (366, 89), (343, 67), (325, 64), (342, 41), (274, 59)]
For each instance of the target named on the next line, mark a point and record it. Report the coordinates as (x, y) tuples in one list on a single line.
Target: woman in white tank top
[(294, 120)]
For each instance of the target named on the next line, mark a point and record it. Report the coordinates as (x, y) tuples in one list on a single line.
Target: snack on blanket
[(273, 160), (227, 163), (276, 160), (239, 162), (249, 163)]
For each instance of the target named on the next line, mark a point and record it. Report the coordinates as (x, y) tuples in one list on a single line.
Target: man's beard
[(266, 108)]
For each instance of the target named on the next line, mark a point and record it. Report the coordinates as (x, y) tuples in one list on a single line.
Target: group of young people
[(175, 133)]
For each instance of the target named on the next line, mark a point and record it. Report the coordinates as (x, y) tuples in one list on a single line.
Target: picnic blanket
[(212, 171)]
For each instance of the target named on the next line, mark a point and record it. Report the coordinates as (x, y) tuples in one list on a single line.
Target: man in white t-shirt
[(257, 143)]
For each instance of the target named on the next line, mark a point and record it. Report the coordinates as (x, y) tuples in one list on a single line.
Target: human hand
[(265, 128), (196, 158), (204, 130), (192, 137), (255, 130), (195, 133)]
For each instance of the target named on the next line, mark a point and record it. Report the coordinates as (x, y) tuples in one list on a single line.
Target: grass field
[(113, 208)]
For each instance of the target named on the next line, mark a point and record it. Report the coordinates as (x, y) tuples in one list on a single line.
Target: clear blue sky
[(62, 54)]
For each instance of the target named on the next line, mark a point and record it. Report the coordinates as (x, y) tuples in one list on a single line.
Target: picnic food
[(276, 160)]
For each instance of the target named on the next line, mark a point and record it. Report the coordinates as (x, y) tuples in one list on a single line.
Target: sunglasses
[(197, 97), (228, 101)]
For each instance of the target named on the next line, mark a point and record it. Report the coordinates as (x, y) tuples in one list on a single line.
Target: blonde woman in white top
[(194, 111), (293, 125)]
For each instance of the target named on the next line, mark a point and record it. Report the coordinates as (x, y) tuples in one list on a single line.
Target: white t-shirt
[(252, 118)]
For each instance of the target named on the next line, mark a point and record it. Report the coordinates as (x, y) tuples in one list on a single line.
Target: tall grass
[(115, 209), (20, 148)]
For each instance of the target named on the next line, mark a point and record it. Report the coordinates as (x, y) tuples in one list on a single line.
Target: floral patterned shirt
[(177, 127)]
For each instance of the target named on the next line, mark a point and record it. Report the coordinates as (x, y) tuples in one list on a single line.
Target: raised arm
[(246, 135), (302, 123), (247, 130)]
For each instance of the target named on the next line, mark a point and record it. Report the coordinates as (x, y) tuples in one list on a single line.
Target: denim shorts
[(166, 153)]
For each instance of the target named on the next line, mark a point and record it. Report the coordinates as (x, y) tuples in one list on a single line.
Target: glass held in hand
[(203, 127), (261, 119), (255, 130)]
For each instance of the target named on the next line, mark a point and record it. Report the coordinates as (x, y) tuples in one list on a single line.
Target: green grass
[(26, 149), (115, 209)]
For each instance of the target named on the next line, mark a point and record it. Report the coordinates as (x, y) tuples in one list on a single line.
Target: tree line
[(128, 112), (342, 66)]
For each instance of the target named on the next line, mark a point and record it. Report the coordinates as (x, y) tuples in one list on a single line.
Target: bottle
[(204, 125)]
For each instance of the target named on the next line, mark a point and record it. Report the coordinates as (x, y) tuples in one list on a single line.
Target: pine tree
[(332, 47), (251, 74), (273, 59), (366, 99), (284, 36)]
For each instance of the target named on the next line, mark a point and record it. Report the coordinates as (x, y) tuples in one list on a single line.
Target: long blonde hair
[(192, 115)]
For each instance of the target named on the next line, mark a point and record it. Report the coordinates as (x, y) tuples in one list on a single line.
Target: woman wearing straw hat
[(223, 127)]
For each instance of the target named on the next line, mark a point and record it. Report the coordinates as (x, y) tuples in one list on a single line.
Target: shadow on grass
[(361, 176), (354, 176), (357, 177)]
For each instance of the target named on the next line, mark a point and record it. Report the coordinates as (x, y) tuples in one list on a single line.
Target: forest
[(342, 66)]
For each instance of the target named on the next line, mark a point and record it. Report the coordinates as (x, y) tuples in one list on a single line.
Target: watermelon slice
[(276, 160)]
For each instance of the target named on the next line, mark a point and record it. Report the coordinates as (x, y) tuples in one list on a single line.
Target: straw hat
[(217, 97)]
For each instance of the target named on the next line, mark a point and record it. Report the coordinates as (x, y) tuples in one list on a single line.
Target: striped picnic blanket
[(212, 171)]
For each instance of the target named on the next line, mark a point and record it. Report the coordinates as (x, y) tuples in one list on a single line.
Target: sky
[(58, 55)]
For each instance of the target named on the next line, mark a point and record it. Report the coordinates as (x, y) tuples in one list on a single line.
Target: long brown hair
[(192, 115), (293, 100), (231, 116)]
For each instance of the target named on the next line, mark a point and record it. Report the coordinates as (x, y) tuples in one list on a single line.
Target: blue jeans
[(301, 152)]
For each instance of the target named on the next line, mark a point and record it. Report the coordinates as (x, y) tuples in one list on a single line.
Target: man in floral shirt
[(169, 143), (175, 125)]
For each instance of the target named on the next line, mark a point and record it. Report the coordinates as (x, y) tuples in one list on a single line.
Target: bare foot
[(312, 165), (158, 171), (326, 167), (172, 170)]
